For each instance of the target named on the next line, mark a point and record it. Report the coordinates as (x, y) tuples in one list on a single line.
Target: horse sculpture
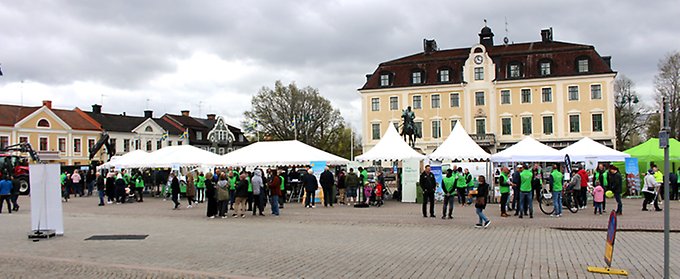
[(408, 129)]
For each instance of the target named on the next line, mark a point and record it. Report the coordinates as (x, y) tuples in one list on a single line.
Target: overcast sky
[(213, 56)]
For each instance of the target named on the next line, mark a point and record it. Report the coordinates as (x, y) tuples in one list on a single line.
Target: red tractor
[(14, 162)]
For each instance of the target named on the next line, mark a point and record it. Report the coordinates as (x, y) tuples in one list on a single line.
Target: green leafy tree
[(287, 112)]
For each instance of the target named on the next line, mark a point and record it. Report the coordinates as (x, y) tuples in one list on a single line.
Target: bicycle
[(548, 207)]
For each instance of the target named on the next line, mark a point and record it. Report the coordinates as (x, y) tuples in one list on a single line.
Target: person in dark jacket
[(99, 181), (241, 195), (211, 194), (174, 188), (120, 189), (327, 182), (428, 184), (480, 204), (673, 182), (110, 185), (310, 184), (275, 192), (615, 184), (342, 188), (516, 181), (16, 189)]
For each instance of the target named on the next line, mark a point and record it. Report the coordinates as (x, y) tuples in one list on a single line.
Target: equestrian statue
[(408, 128)]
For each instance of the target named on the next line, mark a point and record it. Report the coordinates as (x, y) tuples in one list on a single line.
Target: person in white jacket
[(650, 191)]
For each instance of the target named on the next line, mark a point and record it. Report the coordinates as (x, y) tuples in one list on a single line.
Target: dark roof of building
[(187, 121), (562, 56), (75, 120), (172, 130), (11, 114), (117, 122)]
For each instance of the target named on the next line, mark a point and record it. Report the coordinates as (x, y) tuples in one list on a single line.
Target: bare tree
[(287, 112), (667, 85), (627, 112)]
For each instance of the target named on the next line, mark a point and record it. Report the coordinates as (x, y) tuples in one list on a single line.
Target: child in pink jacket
[(598, 198)]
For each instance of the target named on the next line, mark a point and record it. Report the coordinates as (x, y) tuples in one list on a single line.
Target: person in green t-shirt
[(200, 188), (504, 189), (556, 182), (139, 187), (233, 179), (525, 198), (461, 186), (449, 189)]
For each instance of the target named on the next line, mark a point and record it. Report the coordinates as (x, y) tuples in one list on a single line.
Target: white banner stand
[(409, 176), (47, 218)]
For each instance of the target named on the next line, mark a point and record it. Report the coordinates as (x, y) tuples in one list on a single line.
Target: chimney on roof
[(547, 35), (368, 77), (211, 116), (429, 46), (47, 103), (185, 113), (96, 108), (608, 60), (148, 114)]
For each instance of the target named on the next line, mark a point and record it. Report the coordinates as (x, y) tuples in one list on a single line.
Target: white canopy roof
[(183, 155), (588, 148), (459, 146), (390, 147), (128, 160), (528, 150), (279, 153)]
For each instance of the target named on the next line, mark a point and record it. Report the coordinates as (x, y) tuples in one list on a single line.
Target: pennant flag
[(185, 134), (165, 136), (293, 124)]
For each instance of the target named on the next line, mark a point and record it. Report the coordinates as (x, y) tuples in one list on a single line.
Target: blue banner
[(632, 174), (437, 171)]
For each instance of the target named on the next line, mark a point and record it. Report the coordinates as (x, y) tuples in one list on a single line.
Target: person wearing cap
[(616, 186), (650, 191)]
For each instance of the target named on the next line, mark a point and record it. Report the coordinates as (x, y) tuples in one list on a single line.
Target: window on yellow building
[(526, 125), (43, 144), (375, 131), (506, 126), (505, 97), (547, 125), (61, 144), (574, 123), (479, 98), (546, 95), (526, 96), (595, 91), (77, 145), (454, 100), (375, 104), (394, 103), (436, 129), (597, 122), (480, 124), (573, 93), (436, 101), (417, 102)]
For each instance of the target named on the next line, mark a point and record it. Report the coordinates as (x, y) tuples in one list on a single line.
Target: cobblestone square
[(393, 241)]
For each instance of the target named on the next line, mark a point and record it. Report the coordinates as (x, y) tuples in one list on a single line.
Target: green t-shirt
[(139, 182), (472, 181), (364, 177), (250, 186), (63, 178), (460, 180), (233, 180), (525, 178), (127, 178), (558, 178), (200, 183), (604, 178), (504, 186), (283, 183), (448, 183)]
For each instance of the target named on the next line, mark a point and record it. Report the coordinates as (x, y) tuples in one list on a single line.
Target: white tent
[(588, 148), (182, 155), (528, 150), (390, 147), (279, 153), (459, 146), (128, 160)]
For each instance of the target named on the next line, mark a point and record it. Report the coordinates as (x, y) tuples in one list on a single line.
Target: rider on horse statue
[(409, 126)]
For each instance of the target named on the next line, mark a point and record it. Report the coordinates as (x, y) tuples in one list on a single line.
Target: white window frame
[(448, 75), (199, 135), (49, 124), (439, 133), (417, 75), (439, 101), (453, 124), (478, 75), (551, 95), (8, 137), (592, 122), (552, 124), (47, 146), (88, 143), (65, 145), (540, 68), (578, 93), (73, 145), (531, 124), (375, 104), (509, 96), (502, 132), (483, 99), (383, 78), (591, 91), (457, 94), (578, 65), (569, 123), (373, 131), (413, 102), (485, 128), (521, 96), (397, 106)]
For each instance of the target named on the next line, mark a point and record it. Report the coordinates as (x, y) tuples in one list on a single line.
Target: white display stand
[(46, 211), (409, 177)]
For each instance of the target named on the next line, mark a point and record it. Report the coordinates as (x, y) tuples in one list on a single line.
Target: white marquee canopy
[(128, 160), (588, 148), (528, 150), (182, 155), (459, 146), (390, 147), (279, 153)]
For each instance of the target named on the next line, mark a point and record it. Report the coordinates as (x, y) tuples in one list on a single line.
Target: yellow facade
[(558, 107)]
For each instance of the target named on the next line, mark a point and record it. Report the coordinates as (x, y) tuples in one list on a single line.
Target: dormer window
[(514, 70), (545, 67), (386, 79), (444, 75), (43, 123), (583, 64), (416, 77)]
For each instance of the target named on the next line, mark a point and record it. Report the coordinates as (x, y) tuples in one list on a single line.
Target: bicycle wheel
[(571, 203), (546, 202)]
